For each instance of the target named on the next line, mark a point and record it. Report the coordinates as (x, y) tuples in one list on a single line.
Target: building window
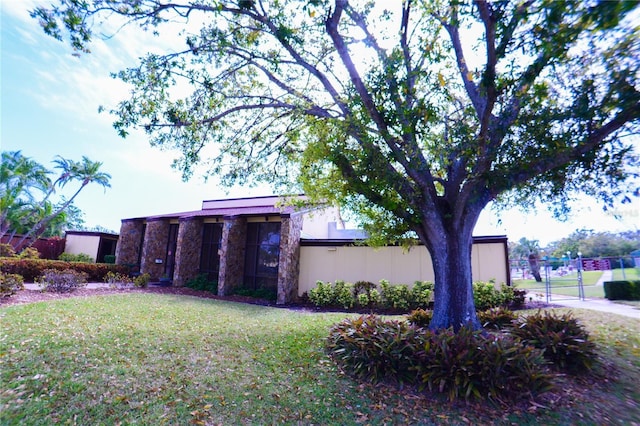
[(262, 256), (210, 257)]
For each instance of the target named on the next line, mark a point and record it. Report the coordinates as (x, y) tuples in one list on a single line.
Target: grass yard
[(155, 359), (629, 274)]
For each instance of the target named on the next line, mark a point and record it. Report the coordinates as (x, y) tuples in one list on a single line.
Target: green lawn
[(629, 274), (155, 359)]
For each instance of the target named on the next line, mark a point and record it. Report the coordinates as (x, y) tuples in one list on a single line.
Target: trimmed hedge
[(31, 269), (622, 290)]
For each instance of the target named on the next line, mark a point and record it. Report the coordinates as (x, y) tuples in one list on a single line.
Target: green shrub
[(322, 294), (202, 282), (395, 296), (10, 284), (343, 294), (565, 342), (370, 299), (118, 280), (29, 253), (339, 294), (374, 349), (6, 250), (66, 281), (142, 280), (466, 364), (496, 318), (622, 290), (421, 294), (486, 296), (420, 317), (366, 294), (79, 257)]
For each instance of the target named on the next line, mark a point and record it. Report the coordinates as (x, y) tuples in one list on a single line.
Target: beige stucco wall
[(82, 244), (395, 264)]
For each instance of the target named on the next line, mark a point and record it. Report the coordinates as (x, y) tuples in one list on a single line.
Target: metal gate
[(566, 278)]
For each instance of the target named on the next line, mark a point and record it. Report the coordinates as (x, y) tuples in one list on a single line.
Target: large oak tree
[(416, 114)]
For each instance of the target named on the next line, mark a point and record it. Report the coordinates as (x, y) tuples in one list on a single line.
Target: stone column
[(232, 248), (289, 263), (189, 250), (130, 243), (155, 247)]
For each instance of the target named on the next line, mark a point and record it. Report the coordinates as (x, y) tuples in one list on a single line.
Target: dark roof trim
[(93, 234)]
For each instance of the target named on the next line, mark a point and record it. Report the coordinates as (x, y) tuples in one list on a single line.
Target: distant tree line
[(588, 242)]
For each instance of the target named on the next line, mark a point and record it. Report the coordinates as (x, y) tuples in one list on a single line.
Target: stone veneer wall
[(289, 263), (232, 248), (155, 247), (189, 250), (129, 243)]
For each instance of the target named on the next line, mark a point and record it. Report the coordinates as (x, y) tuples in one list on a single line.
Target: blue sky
[(49, 106)]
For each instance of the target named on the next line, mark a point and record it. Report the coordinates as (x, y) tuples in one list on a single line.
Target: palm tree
[(19, 178), (85, 171)]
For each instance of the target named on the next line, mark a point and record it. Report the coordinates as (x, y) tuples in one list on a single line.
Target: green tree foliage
[(597, 244), (414, 114), (26, 190)]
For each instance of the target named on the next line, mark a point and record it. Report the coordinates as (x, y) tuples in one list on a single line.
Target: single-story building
[(95, 244), (262, 244)]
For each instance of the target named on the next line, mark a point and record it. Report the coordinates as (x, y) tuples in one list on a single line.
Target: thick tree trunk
[(453, 298)]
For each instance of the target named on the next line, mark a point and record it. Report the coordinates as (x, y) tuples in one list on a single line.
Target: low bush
[(6, 250), (467, 365), (66, 281), (343, 294), (29, 253), (401, 297), (80, 257), (202, 282), (10, 284), (421, 294), (142, 280), (31, 269), (486, 296), (420, 317), (118, 280), (461, 365), (374, 349), (366, 294), (496, 318), (340, 294), (395, 296), (321, 294), (622, 290), (518, 296), (564, 341)]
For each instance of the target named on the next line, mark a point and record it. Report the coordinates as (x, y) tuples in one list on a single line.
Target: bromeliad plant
[(563, 339), (463, 365)]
